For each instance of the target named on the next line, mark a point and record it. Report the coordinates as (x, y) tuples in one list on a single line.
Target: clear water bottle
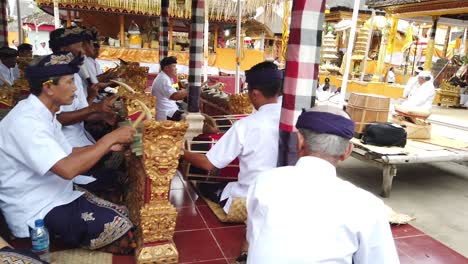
[(40, 240)]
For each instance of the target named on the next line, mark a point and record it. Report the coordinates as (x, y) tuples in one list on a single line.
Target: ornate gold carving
[(134, 75), (240, 104), (7, 97), (165, 253), (162, 142), (158, 220), (133, 107)]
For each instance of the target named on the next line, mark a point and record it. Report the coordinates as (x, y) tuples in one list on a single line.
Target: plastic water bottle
[(40, 240)]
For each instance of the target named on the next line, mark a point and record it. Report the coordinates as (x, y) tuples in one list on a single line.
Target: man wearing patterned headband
[(72, 116), (323, 219), (39, 166)]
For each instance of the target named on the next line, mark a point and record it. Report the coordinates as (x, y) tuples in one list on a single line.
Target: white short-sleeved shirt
[(163, 88), (7, 74), (76, 133), (306, 214), (254, 140), (93, 69), (31, 143)]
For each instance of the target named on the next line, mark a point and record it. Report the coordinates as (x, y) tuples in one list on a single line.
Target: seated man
[(412, 83), (166, 94), (8, 71), (39, 165), (423, 95), (25, 50), (254, 140), (306, 214)]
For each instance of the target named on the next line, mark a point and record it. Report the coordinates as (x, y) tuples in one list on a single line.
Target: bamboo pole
[(20, 22), (284, 41), (215, 42), (171, 29), (56, 14), (368, 44), (122, 30), (430, 45), (205, 43), (349, 50), (238, 45), (447, 40)]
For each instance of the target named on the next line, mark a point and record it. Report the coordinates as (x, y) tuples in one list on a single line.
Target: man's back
[(305, 214)]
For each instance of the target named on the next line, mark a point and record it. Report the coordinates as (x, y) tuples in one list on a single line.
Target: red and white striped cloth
[(302, 69), (196, 54), (3, 24), (164, 30)]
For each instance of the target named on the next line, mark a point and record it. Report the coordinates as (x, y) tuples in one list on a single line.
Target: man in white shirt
[(89, 70), (42, 50), (412, 82), (323, 219), (8, 57), (14, 44), (391, 76), (253, 139), (39, 167), (72, 116), (166, 93), (423, 95)]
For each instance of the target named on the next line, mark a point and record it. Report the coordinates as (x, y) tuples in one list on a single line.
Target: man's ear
[(300, 144), (347, 152), (46, 88)]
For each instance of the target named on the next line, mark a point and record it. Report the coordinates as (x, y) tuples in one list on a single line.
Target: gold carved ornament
[(162, 142)]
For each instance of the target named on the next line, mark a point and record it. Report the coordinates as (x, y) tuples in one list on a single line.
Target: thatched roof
[(219, 10), (384, 3), (39, 18)]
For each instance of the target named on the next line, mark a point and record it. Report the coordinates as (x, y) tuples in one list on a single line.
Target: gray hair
[(325, 144)]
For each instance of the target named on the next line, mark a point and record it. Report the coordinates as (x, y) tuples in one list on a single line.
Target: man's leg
[(109, 184), (93, 223)]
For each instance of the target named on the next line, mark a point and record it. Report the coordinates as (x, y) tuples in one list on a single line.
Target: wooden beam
[(215, 36), (122, 30), (447, 40), (171, 30), (69, 19)]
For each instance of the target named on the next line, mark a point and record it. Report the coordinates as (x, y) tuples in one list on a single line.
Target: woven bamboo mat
[(80, 256), (237, 213)]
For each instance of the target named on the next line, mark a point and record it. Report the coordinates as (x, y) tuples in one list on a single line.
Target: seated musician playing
[(254, 139), (165, 92), (72, 116), (326, 219), (39, 165)]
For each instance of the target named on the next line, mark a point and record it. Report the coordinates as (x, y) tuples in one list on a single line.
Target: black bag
[(385, 135)]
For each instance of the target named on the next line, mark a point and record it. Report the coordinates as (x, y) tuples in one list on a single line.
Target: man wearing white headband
[(412, 82), (423, 95)]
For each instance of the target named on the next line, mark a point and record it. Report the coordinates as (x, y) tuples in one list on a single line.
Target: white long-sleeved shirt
[(306, 214), (421, 97), (410, 85), (8, 74)]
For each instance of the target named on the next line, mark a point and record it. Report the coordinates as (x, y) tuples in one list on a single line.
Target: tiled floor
[(201, 238)]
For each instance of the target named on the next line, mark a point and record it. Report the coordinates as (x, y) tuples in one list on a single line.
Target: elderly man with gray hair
[(306, 214)]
